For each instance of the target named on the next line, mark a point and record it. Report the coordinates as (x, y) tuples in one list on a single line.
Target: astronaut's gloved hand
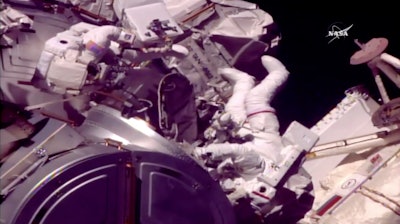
[(177, 51), (242, 83)]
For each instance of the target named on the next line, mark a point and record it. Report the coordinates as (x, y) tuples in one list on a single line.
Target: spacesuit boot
[(242, 83)]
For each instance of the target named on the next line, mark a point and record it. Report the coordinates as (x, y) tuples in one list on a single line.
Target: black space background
[(321, 72)]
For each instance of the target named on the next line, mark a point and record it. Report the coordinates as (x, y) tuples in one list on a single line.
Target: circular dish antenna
[(369, 51)]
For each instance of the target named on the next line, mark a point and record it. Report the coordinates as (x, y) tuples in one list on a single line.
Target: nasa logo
[(349, 183), (335, 32)]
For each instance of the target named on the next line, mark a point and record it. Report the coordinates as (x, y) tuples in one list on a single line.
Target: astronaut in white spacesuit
[(247, 168), (251, 104), (71, 51)]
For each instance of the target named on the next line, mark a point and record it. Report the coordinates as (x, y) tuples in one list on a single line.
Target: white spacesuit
[(252, 104), (249, 106), (71, 51)]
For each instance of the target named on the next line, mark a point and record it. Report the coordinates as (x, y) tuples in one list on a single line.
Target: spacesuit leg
[(260, 114), (242, 83)]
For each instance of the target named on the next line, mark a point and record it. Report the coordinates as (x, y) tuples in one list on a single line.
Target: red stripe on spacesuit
[(261, 195), (259, 112)]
